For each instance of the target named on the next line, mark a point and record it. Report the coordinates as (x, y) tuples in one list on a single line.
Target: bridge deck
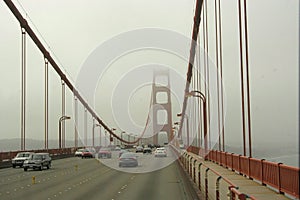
[(245, 185)]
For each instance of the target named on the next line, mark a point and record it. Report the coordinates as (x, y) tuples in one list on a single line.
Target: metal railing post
[(199, 175), (206, 183), (218, 187), (194, 169)]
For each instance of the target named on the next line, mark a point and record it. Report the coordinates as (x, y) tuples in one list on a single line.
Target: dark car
[(38, 161), (147, 150), (104, 153), (128, 160)]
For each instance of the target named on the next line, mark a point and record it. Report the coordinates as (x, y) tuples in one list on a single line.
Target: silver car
[(20, 158), (38, 161), (128, 160)]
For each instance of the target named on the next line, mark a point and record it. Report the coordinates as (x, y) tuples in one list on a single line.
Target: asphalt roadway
[(89, 179)]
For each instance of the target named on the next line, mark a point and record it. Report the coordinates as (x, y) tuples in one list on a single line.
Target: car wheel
[(48, 166), (14, 166), (25, 169), (40, 168)]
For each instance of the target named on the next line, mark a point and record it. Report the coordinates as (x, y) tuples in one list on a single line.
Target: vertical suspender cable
[(93, 139), (218, 78), (242, 77), (85, 127), (46, 103), (221, 76), (63, 111), (204, 57), (207, 76), (23, 90), (247, 78), (198, 87), (76, 120)]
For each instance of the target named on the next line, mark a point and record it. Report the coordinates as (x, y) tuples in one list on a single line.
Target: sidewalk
[(245, 185)]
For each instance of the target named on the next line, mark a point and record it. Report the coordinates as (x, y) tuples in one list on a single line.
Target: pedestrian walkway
[(251, 188)]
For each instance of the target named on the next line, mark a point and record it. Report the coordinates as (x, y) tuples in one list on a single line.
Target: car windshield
[(128, 155), (37, 157), (105, 149), (22, 155)]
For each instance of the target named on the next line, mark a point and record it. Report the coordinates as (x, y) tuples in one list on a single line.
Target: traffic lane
[(146, 162), (93, 180), (167, 183), (14, 176), (50, 182)]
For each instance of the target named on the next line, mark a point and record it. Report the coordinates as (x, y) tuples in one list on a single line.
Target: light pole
[(62, 118), (200, 95), (187, 128), (176, 128), (110, 137), (95, 125), (122, 137), (128, 135), (105, 144)]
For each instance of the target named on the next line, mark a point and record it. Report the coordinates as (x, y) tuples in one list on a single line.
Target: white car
[(20, 158), (78, 152), (160, 152)]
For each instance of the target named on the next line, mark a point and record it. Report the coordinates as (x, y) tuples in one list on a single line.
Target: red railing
[(277, 175), (189, 163)]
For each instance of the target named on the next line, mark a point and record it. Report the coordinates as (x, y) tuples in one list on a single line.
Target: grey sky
[(73, 29)]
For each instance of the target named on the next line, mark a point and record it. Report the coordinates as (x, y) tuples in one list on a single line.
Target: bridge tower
[(161, 105)]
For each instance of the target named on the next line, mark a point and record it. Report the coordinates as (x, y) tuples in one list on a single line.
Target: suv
[(20, 158), (38, 161)]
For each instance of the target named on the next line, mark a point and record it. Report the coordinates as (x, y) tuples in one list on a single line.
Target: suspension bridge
[(199, 162)]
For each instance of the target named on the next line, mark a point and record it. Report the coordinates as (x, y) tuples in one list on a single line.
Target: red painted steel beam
[(197, 19)]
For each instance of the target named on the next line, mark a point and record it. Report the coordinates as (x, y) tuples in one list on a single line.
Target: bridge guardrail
[(199, 174), (7, 156), (282, 177)]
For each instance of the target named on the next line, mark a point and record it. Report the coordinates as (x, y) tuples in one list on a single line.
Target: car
[(78, 152), (88, 153), (104, 153), (147, 150), (38, 161), (128, 159), (19, 159), (117, 148), (160, 152), (139, 149)]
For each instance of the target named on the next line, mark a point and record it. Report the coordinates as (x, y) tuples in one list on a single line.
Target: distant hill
[(15, 144)]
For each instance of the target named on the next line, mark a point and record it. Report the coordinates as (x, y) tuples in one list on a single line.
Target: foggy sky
[(74, 29)]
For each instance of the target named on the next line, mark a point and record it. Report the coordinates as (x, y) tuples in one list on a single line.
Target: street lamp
[(187, 128), (95, 125), (199, 94), (62, 118), (110, 137), (122, 137)]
